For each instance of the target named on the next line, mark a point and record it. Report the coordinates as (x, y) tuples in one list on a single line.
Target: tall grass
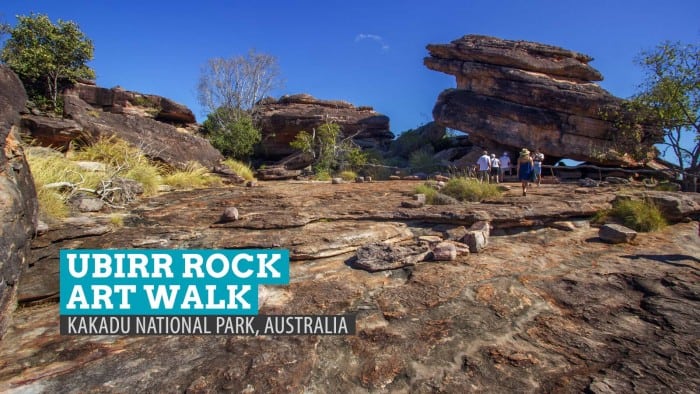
[(51, 167), (121, 160), (639, 215), (348, 175), (128, 160), (466, 189), (429, 191), (240, 169), (194, 176)]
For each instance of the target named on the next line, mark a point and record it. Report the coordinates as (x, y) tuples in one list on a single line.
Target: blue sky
[(365, 52)]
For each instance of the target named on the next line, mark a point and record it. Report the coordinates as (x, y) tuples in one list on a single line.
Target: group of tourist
[(528, 167)]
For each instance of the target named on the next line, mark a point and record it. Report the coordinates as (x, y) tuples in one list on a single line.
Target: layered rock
[(161, 127), (118, 100), (536, 310), (525, 94), (18, 202), (160, 141), (281, 120)]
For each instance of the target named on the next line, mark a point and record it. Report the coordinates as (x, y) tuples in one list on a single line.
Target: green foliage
[(348, 175), (433, 196), (353, 156), (194, 176), (671, 91), (628, 136), (429, 191), (422, 159), (232, 132), (639, 215), (328, 149), (47, 56), (467, 189), (322, 175), (240, 168)]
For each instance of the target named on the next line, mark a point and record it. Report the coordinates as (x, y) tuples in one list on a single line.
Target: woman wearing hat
[(525, 167)]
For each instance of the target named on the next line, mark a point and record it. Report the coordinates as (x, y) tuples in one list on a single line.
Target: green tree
[(671, 91), (329, 150), (232, 132), (47, 56), (229, 89)]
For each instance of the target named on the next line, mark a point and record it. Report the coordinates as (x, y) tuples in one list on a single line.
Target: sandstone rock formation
[(524, 94), (539, 310), (159, 126), (281, 120), (18, 201), (117, 100)]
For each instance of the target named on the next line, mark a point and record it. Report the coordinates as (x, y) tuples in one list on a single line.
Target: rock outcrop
[(120, 101), (539, 309), (159, 126), (18, 201), (281, 120), (525, 94)]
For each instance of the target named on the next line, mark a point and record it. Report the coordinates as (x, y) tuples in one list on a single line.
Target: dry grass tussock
[(57, 178), (240, 168)]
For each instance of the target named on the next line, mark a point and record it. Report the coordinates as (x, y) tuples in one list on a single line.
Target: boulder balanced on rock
[(519, 93)]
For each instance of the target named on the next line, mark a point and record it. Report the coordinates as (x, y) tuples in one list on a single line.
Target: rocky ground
[(546, 306)]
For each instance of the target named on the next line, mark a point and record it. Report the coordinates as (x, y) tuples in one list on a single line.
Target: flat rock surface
[(540, 309)]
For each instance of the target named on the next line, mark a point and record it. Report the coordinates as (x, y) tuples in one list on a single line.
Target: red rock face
[(18, 202), (114, 99), (282, 120), (524, 94)]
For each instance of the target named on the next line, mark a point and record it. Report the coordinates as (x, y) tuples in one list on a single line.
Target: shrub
[(194, 176), (232, 132), (348, 175), (240, 169), (429, 191), (322, 176), (465, 189), (639, 215), (422, 160), (116, 220)]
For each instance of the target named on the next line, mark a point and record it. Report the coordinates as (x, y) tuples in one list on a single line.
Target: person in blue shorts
[(525, 169)]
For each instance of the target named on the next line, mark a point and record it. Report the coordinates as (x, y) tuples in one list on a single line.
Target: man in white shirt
[(484, 164), (505, 165)]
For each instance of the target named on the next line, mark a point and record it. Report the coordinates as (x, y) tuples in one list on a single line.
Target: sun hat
[(524, 152)]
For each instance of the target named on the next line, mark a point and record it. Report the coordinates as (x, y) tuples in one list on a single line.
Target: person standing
[(524, 169), (537, 160), (505, 165), (495, 167), (484, 164)]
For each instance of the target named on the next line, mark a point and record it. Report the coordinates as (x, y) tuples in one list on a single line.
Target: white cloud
[(378, 39)]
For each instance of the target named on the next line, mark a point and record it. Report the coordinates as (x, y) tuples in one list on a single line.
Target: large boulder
[(118, 100), (159, 140), (281, 120), (18, 201), (53, 132), (525, 94)]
